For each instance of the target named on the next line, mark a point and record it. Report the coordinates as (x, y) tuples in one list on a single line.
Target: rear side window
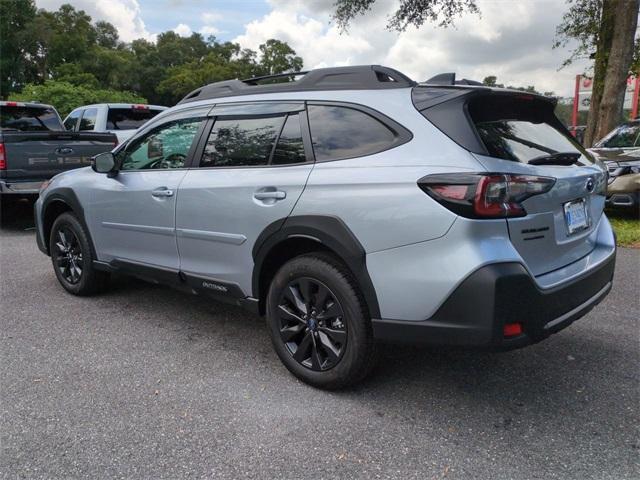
[(88, 121), (129, 118), (290, 148), (241, 142), (72, 120), (29, 119), (519, 129), (342, 132)]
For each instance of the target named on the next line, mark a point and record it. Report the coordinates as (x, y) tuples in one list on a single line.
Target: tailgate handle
[(64, 150)]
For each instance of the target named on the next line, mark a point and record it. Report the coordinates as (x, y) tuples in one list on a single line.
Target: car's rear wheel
[(319, 323), (72, 258)]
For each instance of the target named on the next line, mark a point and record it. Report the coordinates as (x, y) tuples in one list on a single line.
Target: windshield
[(129, 118), (627, 135), (521, 129), (29, 119)]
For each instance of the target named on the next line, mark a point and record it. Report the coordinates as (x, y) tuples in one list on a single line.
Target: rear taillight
[(491, 195), (3, 158), (140, 107)]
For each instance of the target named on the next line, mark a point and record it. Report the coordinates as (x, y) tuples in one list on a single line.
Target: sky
[(511, 39)]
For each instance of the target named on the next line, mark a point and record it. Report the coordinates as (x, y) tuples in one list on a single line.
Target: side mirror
[(104, 163)]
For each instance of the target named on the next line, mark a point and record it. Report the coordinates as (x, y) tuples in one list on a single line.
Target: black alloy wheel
[(68, 255), (312, 324)]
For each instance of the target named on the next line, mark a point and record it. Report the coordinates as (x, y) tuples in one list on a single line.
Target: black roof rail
[(362, 77)]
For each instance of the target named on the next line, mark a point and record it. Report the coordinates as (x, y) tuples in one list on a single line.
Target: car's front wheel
[(319, 323), (72, 258)]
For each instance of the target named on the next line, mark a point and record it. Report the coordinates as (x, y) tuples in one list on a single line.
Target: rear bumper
[(20, 188), (496, 294)]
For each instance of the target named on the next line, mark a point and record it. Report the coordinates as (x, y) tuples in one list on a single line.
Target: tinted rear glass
[(290, 148), (29, 119), (242, 142), (340, 132), (520, 128), (88, 121), (129, 118)]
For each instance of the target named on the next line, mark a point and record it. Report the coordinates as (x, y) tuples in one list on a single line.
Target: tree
[(605, 32), (107, 35), (278, 57), (409, 12), (61, 56), (14, 15)]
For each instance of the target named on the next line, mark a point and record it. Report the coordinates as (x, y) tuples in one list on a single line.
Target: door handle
[(270, 195), (162, 193), (64, 150)]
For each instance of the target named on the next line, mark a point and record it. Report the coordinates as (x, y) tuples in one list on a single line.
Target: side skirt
[(226, 292)]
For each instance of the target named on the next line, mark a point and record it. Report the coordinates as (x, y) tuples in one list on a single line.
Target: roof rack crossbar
[(256, 80)]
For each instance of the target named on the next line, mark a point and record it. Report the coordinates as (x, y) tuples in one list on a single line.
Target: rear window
[(29, 119), (520, 128), (129, 118)]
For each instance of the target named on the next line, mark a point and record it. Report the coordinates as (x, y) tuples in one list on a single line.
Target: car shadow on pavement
[(556, 375)]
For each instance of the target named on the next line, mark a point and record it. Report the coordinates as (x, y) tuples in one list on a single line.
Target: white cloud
[(211, 17), (209, 30), (125, 15), (183, 30), (511, 40)]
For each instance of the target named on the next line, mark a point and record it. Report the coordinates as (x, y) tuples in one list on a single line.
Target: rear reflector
[(484, 195), (11, 104), (512, 329), (3, 158), (140, 107)]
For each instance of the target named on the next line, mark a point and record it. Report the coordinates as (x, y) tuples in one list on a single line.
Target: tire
[(332, 347), (69, 247)]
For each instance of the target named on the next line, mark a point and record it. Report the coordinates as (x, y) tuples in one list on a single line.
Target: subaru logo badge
[(590, 185)]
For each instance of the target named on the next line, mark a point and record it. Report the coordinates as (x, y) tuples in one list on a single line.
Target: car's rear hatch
[(518, 134)]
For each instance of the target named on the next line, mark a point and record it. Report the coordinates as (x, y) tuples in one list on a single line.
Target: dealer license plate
[(575, 214)]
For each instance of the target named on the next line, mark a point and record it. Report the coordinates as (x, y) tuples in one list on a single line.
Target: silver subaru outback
[(348, 206)]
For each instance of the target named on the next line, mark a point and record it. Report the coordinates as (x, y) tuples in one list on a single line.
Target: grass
[(627, 227)]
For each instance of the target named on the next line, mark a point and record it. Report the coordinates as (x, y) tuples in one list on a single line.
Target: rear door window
[(29, 119), (520, 129), (71, 121), (242, 142), (88, 121), (290, 147), (341, 132), (129, 118)]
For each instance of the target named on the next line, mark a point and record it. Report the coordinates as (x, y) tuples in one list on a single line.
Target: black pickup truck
[(34, 146)]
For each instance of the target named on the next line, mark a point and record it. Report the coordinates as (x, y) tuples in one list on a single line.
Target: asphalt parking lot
[(146, 382)]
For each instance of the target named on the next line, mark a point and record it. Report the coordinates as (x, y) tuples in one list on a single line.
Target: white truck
[(121, 119)]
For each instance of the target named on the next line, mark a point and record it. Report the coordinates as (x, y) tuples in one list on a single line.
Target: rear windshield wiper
[(558, 158)]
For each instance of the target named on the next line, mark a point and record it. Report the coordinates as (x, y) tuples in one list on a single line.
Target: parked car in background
[(349, 206), (34, 146), (121, 119), (620, 150)]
